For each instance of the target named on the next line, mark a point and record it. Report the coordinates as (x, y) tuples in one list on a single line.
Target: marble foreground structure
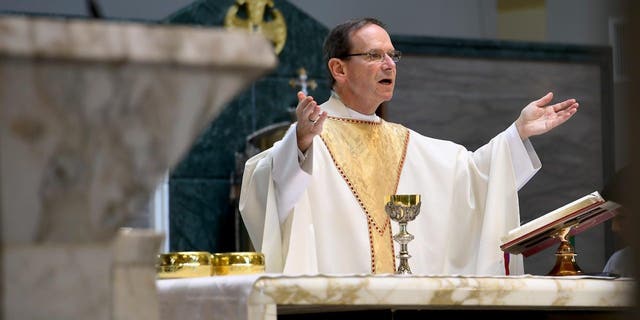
[(266, 297), (92, 115)]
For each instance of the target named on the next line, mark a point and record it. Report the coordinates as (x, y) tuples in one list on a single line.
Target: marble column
[(92, 114)]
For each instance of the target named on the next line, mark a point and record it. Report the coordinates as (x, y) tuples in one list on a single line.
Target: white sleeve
[(523, 157), (291, 172)]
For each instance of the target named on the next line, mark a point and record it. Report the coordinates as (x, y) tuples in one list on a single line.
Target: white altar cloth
[(263, 296)]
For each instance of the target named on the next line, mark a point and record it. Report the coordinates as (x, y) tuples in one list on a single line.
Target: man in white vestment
[(314, 202)]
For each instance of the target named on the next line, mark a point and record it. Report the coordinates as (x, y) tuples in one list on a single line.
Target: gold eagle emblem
[(258, 16)]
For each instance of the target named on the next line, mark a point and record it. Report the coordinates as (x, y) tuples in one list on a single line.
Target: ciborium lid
[(227, 263), (185, 264)]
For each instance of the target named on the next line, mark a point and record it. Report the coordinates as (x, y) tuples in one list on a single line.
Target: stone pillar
[(92, 114), (134, 275)]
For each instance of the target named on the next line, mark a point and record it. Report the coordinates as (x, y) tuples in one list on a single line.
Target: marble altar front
[(92, 115), (269, 296)]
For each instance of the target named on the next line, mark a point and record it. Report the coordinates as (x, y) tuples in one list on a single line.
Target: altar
[(274, 296)]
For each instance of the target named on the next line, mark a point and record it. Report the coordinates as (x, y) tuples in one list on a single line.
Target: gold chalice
[(403, 208)]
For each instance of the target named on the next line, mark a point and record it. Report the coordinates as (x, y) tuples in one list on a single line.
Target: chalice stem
[(404, 268), (403, 238)]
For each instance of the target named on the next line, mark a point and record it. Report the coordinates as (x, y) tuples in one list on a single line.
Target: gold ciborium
[(403, 208)]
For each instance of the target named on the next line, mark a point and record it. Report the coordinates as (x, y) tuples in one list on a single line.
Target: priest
[(314, 202)]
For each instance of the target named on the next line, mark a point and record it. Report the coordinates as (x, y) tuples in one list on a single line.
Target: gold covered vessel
[(231, 263), (186, 264)]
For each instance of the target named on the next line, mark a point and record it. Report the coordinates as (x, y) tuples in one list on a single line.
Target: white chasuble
[(335, 223), (361, 153)]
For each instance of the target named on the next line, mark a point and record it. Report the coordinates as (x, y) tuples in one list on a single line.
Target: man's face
[(372, 82)]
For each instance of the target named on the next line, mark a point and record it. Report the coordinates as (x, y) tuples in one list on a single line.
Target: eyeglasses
[(378, 55)]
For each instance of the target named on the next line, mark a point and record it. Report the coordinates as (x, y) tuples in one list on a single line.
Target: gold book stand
[(566, 264), (570, 219)]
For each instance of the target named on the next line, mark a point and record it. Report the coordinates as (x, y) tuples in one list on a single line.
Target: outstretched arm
[(539, 117)]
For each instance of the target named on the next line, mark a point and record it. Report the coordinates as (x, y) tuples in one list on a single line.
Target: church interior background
[(203, 188)]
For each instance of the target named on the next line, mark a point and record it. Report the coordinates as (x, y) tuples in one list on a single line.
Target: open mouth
[(385, 81)]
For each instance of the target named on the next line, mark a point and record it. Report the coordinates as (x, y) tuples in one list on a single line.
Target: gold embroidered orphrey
[(369, 157), (275, 29)]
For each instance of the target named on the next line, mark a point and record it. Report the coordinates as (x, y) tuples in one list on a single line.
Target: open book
[(538, 234)]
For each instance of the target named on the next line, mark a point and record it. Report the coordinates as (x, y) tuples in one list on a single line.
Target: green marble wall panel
[(305, 35), (212, 156), (201, 216), (196, 222), (204, 13)]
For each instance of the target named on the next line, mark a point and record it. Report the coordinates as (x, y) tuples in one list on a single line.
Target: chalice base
[(403, 270), (403, 266)]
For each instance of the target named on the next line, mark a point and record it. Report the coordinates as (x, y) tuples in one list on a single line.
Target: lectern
[(556, 226)]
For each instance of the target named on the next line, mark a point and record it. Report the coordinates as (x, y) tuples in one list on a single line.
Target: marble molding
[(92, 115), (264, 297)]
